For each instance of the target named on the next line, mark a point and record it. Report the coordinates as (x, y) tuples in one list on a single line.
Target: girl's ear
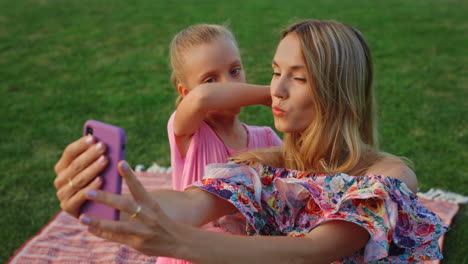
[(182, 90)]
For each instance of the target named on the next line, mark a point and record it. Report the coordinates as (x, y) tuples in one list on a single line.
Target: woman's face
[(290, 90)]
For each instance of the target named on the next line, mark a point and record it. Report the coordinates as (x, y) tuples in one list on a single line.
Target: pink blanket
[(65, 240)]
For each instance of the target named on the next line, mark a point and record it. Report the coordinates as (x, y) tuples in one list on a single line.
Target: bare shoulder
[(395, 168)]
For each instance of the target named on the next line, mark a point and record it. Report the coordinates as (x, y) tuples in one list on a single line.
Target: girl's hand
[(153, 232), (77, 172)]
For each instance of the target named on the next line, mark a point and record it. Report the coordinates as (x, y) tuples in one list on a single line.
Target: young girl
[(312, 210), (205, 127)]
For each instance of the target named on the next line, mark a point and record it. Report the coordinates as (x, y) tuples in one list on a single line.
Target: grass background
[(63, 62)]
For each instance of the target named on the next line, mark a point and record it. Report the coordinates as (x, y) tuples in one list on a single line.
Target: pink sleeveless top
[(206, 148)]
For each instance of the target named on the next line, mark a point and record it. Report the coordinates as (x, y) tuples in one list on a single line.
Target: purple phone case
[(114, 138)]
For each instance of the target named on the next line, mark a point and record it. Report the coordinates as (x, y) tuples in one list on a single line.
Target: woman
[(323, 102)]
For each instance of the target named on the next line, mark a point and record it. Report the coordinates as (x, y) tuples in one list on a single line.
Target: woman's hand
[(76, 172), (153, 232)]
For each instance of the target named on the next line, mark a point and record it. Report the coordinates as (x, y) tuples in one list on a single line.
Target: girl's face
[(290, 88), (217, 61)]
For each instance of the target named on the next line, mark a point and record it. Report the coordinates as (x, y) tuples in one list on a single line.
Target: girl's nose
[(229, 78)]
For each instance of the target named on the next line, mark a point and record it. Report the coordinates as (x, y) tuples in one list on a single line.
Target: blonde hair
[(343, 134), (190, 37)]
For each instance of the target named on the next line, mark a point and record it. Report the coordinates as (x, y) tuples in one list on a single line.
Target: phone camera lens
[(89, 130)]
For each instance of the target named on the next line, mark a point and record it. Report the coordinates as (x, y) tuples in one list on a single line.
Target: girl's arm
[(156, 231), (215, 96)]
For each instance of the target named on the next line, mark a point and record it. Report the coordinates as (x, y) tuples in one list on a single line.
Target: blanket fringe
[(153, 168), (438, 194)]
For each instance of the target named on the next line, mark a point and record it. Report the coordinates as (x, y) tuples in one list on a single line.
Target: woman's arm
[(77, 177), (324, 244), (193, 207), (157, 233)]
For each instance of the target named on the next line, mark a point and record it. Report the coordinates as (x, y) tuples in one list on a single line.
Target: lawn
[(63, 62)]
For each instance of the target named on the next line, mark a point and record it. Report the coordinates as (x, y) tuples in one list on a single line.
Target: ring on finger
[(137, 212), (70, 183)]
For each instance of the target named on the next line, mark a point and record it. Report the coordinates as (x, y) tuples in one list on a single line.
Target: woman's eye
[(302, 80), (276, 74)]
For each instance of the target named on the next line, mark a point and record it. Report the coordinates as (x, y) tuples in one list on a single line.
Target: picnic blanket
[(65, 240)]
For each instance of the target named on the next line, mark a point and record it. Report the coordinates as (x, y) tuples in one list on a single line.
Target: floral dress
[(281, 202)]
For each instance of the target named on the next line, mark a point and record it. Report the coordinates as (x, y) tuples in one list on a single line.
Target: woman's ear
[(182, 90)]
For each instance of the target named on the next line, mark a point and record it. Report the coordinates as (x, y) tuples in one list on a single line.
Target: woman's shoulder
[(395, 167)]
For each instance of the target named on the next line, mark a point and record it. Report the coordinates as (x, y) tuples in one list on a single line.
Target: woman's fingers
[(153, 229), (119, 231), (72, 151), (80, 166), (89, 173), (123, 203), (73, 204), (81, 180), (148, 239), (135, 186)]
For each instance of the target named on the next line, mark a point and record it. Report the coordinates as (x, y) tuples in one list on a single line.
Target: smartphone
[(115, 140)]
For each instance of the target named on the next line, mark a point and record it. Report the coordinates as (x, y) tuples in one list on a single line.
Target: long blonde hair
[(343, 135), (190, 37)]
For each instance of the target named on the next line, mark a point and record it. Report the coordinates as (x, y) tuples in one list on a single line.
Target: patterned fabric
[(291, 203), (64, 240)]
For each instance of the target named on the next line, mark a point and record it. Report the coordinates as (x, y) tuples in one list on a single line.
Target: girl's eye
[(276, 74), (210, 80), (235, 71)]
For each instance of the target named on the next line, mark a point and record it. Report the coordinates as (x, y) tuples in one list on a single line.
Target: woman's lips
[(278, 111)]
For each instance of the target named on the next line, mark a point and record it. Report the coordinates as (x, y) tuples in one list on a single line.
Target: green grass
[(63, 62)]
